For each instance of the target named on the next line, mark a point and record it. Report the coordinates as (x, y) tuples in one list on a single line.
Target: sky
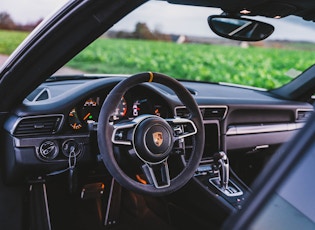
[(166, 20), (28, 11), (289, 27)]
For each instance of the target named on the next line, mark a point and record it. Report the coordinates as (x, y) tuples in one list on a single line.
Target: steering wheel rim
[(106, 129)]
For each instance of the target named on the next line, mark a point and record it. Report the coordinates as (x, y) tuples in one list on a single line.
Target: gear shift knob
[(222, 162)]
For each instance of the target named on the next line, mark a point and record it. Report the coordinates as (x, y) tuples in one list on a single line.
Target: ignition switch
[(71, 145)]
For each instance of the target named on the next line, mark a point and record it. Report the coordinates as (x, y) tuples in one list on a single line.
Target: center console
[(214, 172), (214, 177), (233, 192)]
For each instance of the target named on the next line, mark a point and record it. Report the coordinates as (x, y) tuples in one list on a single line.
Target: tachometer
[(121, 109)]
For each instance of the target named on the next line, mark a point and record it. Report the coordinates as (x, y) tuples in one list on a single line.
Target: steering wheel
[(150, 138)]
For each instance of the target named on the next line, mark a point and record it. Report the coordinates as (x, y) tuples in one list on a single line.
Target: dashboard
[(60, 118)]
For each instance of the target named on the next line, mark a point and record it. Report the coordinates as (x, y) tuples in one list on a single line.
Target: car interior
[(279, 196), (143, 150)]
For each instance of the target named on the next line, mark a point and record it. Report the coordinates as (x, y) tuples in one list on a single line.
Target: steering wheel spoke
[(120, 133), (182, 127), (158, 174)]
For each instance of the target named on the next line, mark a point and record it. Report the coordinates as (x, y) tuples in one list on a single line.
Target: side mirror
[(242, 29)]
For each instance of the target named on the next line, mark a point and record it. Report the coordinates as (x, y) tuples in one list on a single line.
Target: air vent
[(303, 115), (213, 113), (38, 125), (192, 91), (39, 94), (208, 113), (44, 95), (182, 112)]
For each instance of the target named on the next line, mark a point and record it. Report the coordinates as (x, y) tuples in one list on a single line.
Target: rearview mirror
[(242, 29)]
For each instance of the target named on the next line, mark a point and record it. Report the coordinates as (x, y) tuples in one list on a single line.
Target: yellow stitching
[(151, 77)]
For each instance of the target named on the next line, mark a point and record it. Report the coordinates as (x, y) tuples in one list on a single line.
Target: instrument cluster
[(129, 107)]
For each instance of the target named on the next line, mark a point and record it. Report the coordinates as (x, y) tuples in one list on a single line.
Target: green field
[(255, 66), (9, 40)]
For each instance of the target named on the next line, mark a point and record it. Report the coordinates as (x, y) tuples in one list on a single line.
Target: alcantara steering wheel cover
[(105, 130)]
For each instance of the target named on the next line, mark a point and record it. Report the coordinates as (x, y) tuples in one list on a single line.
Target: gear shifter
[(222, 181), (222, 161)]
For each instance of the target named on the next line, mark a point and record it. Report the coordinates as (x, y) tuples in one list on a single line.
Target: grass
[(9, 40), (255, 66)]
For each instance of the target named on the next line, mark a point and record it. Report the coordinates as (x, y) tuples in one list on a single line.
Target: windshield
[(185, 48), (176, 40)]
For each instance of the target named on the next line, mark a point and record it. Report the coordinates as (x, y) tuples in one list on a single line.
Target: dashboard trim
[(29, 141), (262, 128), (35, 142)]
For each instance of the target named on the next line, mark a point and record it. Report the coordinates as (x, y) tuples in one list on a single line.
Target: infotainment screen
[(211, 140)]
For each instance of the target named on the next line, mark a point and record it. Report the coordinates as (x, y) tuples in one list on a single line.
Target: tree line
[(141, 31), (7, 23)]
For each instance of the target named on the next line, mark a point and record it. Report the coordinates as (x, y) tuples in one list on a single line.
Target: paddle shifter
[(222, 162)]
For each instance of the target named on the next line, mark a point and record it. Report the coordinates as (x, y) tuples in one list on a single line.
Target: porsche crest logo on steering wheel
[(158, 138)]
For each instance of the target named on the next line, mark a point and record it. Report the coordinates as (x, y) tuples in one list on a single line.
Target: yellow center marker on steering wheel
[(151, 77)]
